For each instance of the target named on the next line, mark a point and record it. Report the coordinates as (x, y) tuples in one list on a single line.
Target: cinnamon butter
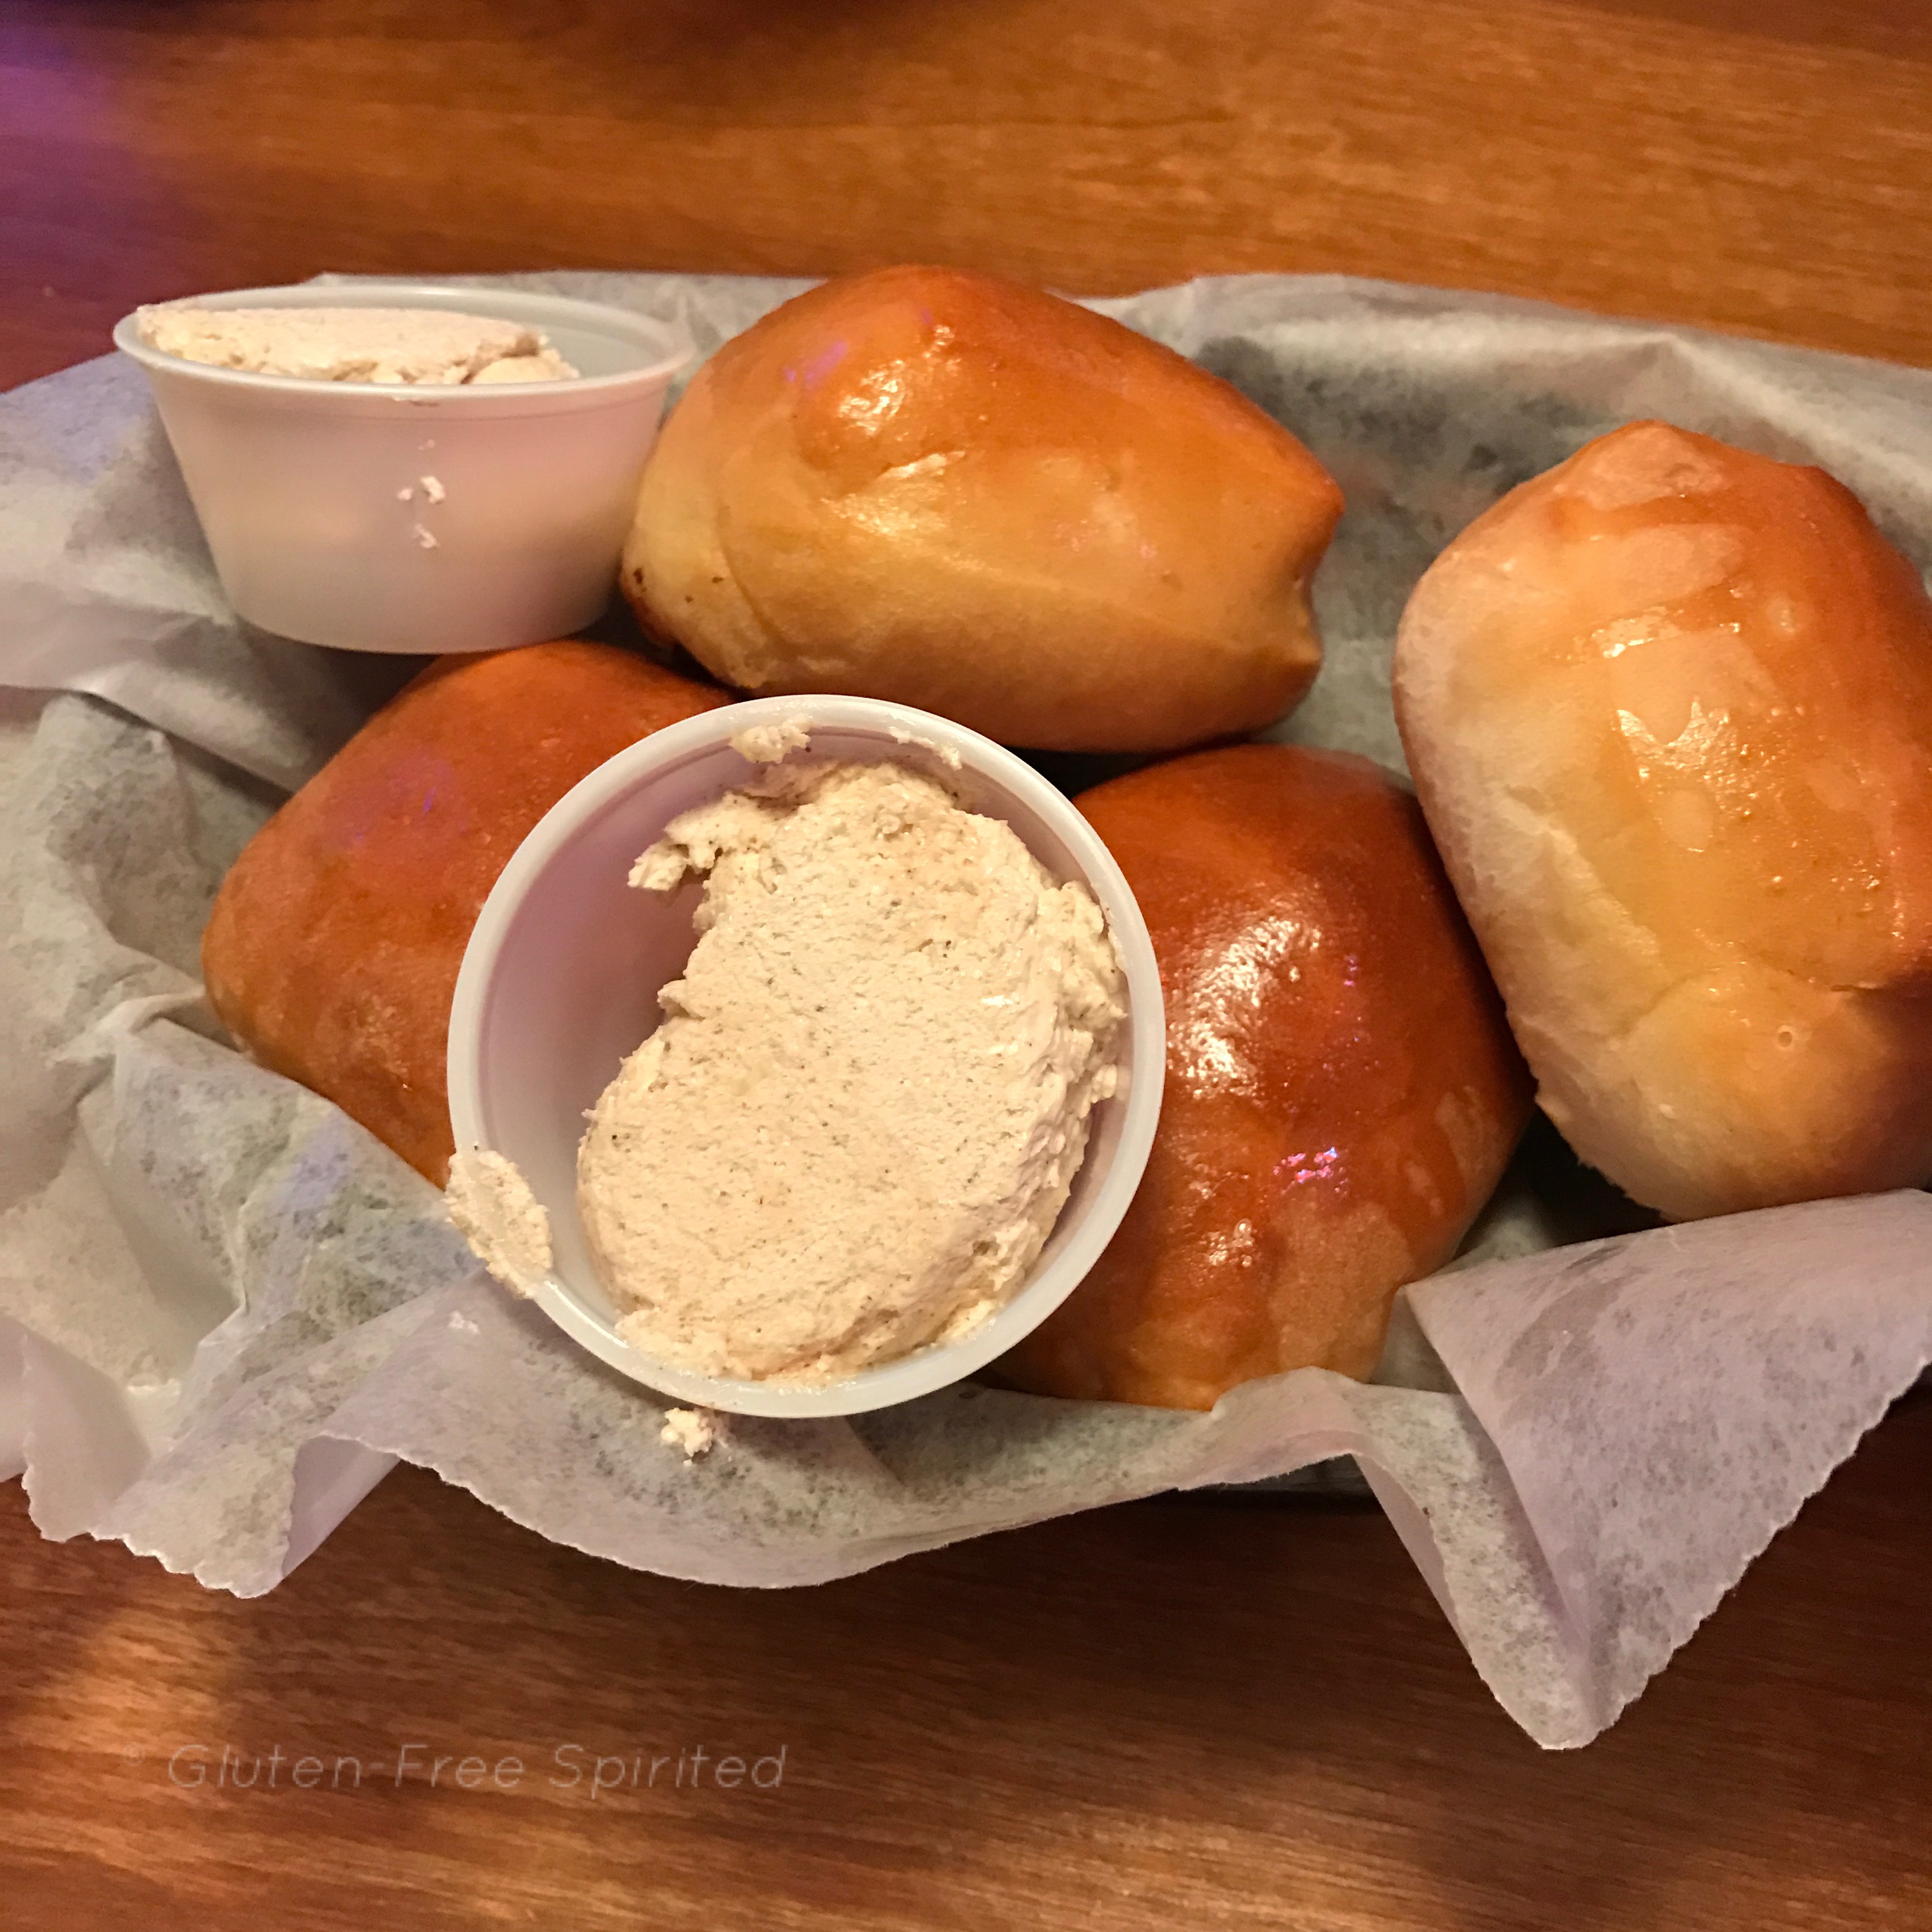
[(863, 1111)]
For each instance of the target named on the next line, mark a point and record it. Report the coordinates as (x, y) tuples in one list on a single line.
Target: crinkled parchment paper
[(224, 1308)]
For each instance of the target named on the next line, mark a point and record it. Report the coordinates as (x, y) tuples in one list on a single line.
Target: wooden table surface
[(1179, 1712)]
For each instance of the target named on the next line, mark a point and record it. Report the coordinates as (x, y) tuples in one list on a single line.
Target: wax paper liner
[(225, 1309)]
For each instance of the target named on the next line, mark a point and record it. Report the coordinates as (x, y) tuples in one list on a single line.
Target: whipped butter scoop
[(862, 1114), (438, 348)]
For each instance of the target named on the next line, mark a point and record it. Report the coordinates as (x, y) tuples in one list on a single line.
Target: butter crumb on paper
[(693, 1430)]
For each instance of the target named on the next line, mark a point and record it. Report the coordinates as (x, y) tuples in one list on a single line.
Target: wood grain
[(1761, 165), (1177, 1713)]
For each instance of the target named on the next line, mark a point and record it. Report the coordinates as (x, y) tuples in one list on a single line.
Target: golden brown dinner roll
[(332, 951), (1669, 710), (937, 488), (1342, 1092)]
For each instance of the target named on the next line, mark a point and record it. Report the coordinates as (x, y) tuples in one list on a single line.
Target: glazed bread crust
[(1669, 707), (332, 951), (955, 492), (1343, 1094)]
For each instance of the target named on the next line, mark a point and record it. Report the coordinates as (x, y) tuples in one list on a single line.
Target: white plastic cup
[(560, 979), (389, 516)]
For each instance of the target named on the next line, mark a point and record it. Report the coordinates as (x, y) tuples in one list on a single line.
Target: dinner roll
[(1342, 1092), (1669, 710), (950, 491), (332, 951)]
